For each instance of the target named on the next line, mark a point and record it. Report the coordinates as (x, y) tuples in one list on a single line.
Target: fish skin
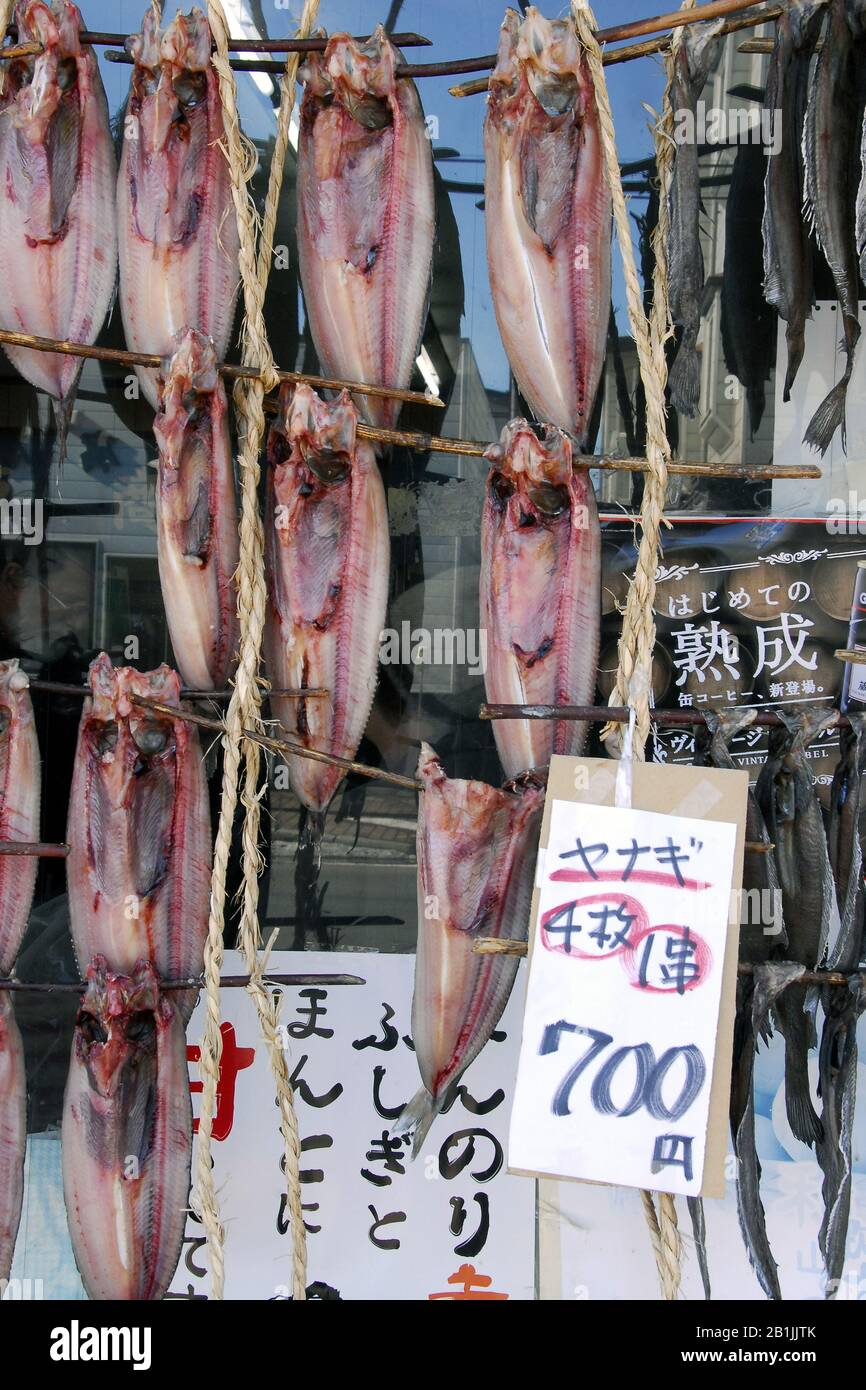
[(20, 785), (759, 874), (845, 846), (327, 557), (829, 140), (58, 235), (127, 1097), (178, 233), (748, 323), (539, 591), (196, 515), (13, 1132), (139, 831), (548, 218), (837, 1074), (787, 248), (695, 56), (795, 825), (366, 216), (699, 1233), (860, 216), (476, 850)]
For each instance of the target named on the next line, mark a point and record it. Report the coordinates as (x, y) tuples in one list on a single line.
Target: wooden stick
[(853, 656), (288, 45), (81, 691), (676, 20), (226, 982), (495, 946), (617, 714), (33, 849), (20, 50), (228, 369), (277, 745)]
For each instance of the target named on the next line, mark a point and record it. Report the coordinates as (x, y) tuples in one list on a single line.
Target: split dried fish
[(178, 232), (58, 235), (540, 591), (13, 1132), (548, 216), (476, 858), (366, 217), (19, 808), (127, 1135), (196, 515)]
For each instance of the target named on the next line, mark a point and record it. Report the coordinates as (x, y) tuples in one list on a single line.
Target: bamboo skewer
[(83, 691), (617, 714), (229, 369), (277, 745), (853, 656), (413, 439), (619, 32), (496, 946), (32, 849), (226, 982)]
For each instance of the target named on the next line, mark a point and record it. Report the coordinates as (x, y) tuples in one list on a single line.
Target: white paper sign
[(622, 1009), (453, 1224)]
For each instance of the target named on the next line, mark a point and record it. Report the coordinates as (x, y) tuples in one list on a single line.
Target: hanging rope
[(634, 673), (244, 709)]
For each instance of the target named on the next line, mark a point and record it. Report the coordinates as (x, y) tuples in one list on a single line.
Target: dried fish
[(366, 216), (548, 216), (19, 807), (540, 591), (13, 1133)]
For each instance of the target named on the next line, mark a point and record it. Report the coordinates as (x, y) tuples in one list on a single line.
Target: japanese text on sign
[(624, 995)]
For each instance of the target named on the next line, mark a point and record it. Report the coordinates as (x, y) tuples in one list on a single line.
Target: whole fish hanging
[(540, 591), (831, 137), (139, 862), (19, 808), (196, 515), (695, 57), (327, 563), (13, 1132), (788, 279), (476, 850), (366, 216), (58, 234), (127, 1135), (548, 218), (178, 233)]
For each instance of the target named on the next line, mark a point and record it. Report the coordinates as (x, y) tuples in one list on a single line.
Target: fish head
[(170, 78), (118, 1023), (359, 77), (804, 18), (542, 59), (122, 739), (700, 49), (15, 707), (187, 386), (40, 84), (532, 483), (311, 451)]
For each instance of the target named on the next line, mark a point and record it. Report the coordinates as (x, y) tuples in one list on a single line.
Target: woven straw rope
[(634, 673), (244, 709)]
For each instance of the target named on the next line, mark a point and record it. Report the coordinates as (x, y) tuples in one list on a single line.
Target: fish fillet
[(127, 1135), (540, 591), (139, 830), (177, 228), (476, 858), (548, 217), (196, 515), (13, 1132), (365, 216), (19, 808), (327, 561), (58, 235)]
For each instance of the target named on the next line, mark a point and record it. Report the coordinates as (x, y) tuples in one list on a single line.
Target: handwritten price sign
[(622, 1011)]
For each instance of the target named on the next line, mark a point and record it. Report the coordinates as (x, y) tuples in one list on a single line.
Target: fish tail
[(685, 376), (802, 1116), (699, 1231), (796, 340), (827, 419), (417, 1117), (757, 403)]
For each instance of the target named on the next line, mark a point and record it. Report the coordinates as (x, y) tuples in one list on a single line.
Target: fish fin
[(699, 1231), (796, 348), (417, 1117), (685, 377), (827, 419), (63, 419)]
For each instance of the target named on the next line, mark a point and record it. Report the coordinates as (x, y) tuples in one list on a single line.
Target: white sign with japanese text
[(625, 982), (453, 1224)]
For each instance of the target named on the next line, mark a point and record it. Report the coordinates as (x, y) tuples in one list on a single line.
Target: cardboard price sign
[(631, 984)]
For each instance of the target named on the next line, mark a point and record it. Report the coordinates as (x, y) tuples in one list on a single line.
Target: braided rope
[(244, 709), (634, 674)]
